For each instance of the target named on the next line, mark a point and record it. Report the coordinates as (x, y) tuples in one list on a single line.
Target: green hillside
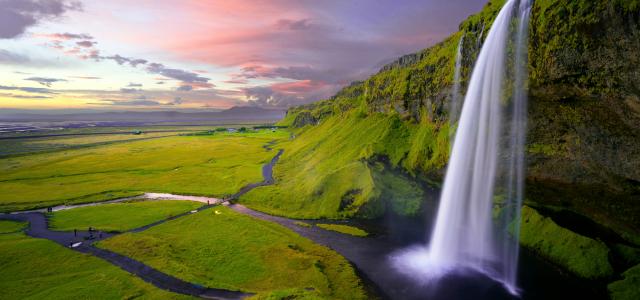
[(393, 129)]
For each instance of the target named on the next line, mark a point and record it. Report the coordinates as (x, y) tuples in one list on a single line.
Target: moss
[(628, 288), (302, 224), (582, 256), (346, 229)]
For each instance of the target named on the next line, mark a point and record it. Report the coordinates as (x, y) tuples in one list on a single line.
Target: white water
[(454, 110), (466, 235)]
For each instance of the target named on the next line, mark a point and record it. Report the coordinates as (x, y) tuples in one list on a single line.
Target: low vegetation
[(118, 217), (346, 165), (40, 269), (628, 288), (11, 227), (26, 145), (346, 229), (221, 248), (217, 165), (581, 255)]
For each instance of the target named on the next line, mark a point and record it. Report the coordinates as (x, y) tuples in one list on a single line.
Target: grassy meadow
[(26, 145), (224, 249), (118, 217), (33, 268), (211, 165)]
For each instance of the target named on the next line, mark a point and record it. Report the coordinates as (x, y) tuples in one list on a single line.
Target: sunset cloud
[(214, 53), (45, 81), (18, 15)]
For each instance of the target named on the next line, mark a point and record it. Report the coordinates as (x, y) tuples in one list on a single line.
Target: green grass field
[(233, 251), (346, 229), (119, 217), (33, 268), (210, 165), (23, 146)]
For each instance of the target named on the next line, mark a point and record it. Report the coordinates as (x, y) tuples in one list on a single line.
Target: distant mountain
[(232, 114)]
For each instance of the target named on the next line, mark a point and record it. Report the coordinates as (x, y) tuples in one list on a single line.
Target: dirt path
[(79, 241), (38, 228)]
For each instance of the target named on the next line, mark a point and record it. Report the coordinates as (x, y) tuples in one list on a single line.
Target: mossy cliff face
[(584, 111), (584, 116), (583, 142)]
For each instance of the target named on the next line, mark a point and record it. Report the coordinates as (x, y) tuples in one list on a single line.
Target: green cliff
[(375, 145)]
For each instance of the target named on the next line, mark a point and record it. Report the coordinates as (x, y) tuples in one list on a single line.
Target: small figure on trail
[(75, 232), (208, 202), (100, 234)]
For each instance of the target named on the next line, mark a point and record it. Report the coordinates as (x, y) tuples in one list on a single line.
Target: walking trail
[(83, 241)]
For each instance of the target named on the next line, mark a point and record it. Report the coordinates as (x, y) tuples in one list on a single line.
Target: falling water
[(466, 235), (479, 41), (515, 172), (455, 93)]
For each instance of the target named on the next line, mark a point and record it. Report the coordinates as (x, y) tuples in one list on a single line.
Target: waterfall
[(514, 190), (479, 41), (466, 235), (454, 110)]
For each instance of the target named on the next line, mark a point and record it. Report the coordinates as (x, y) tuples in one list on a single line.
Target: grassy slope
[(329, 170), (399, 113), (200, 165), (39, 269), (581, 255), (233, 251), (119, 216), (346, 229)]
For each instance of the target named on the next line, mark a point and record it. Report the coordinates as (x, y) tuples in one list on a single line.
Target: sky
[(205, 54)]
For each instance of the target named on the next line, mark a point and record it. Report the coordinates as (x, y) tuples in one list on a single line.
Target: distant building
[(231, 130)]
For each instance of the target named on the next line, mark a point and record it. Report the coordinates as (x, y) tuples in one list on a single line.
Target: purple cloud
[(24, 96), (18, 15), (86, 44), (27, 89), (303, 24), (184, 76), (129, 90), (11, 58), (45, 81), (184, 88)]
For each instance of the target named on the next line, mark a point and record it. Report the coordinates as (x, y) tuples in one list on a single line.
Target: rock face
[(584, 135), (584, 112)]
